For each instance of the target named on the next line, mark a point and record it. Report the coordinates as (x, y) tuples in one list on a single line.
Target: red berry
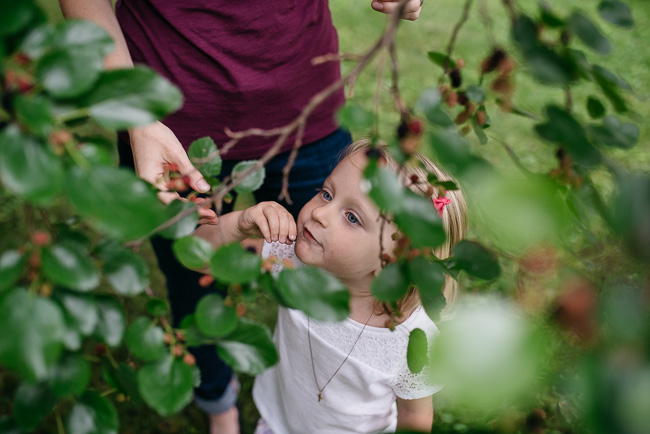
[(22, 58), (60, 137), (460, 63), (40, 238), (206, 280), (100, 350), (189, 359), (178, 350), (241, 309), (168, 338), (415, 127), (180, 335)]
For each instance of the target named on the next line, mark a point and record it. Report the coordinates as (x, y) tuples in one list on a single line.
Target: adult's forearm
[(101, 13)]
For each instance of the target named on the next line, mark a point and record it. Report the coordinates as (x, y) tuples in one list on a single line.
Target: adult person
[(239, 64)]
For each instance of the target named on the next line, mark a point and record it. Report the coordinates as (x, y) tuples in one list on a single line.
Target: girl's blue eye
[(326, 195), (352, 218)]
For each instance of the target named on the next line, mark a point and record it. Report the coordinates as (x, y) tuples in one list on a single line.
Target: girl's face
[(339, 228)]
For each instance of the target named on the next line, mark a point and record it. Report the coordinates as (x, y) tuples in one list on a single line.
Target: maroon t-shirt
[(239, 64)]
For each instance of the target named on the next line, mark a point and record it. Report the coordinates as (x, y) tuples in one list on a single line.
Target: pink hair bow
[(439, 204)]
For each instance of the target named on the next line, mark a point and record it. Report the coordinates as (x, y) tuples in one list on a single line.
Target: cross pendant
[(320, 396)]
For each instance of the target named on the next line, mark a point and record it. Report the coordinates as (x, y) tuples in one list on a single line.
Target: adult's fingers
[(411, 9), (196, 180)]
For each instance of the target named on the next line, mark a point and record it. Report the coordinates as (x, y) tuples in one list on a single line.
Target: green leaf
[(15, 16), (430, 99), (80, 311), (386, 190), (391, 284), (71, 266), (478, 130), (213, 318), (92, 414), (8, 424), (316, 292), (253, 181), (186, 225), (35, 341), (125, 271), (12, 264), (475, 94), (35, 112), (353, 116), (248, 349), (28, 168), (442, 60), (563, 128), (610, 84), (191, 332), (429, 278), (548, 16), (201, 149), (476, 260), (110, 321), (157, 307), (83, 34), (31, 404), (419, 220), (452, 150), (614, 133), (145, 340), (70, 376), (524, 33), (233, 264), (418, 350), (96, 154), (595, 108), (124, 379), (588, 33), (192, 252), (166, 385), (125, 98), (69, 72), (38, 40), (430, 104), (101, 196), (616, 12), (551, 67)]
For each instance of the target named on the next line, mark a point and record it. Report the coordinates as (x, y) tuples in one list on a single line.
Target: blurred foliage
[(560, 343)]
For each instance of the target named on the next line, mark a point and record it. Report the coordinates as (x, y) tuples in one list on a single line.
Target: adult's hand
[(154, 148), (411, 10)]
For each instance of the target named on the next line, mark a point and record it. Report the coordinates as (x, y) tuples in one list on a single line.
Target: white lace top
[(361, 397)]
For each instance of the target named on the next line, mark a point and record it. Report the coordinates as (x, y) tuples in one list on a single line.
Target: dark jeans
[(314, 163)]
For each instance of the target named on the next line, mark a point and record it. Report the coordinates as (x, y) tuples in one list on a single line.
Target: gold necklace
[(311, 356)]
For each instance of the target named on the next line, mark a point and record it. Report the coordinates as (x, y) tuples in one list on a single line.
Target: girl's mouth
[(309, 235)]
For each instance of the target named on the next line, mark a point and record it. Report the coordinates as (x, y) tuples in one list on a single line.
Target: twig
[(332, 57), (487, 22), (452, 40), (403, 109)]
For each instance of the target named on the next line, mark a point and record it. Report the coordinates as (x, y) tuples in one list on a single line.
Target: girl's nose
[(319, 214)]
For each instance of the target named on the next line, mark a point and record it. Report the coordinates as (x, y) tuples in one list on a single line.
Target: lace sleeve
[(410, 385)]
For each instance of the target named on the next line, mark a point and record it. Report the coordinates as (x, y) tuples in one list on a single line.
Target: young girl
[(347, 376)]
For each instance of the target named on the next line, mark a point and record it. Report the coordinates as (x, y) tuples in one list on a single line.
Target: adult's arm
[(154, 146), (411, 10)]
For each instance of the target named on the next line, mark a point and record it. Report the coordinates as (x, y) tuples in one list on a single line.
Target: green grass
[(359, 27)]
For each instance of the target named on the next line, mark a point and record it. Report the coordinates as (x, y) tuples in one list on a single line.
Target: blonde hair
[(454, 216)]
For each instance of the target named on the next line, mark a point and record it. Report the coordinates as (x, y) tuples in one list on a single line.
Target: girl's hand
[(269, 220)]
